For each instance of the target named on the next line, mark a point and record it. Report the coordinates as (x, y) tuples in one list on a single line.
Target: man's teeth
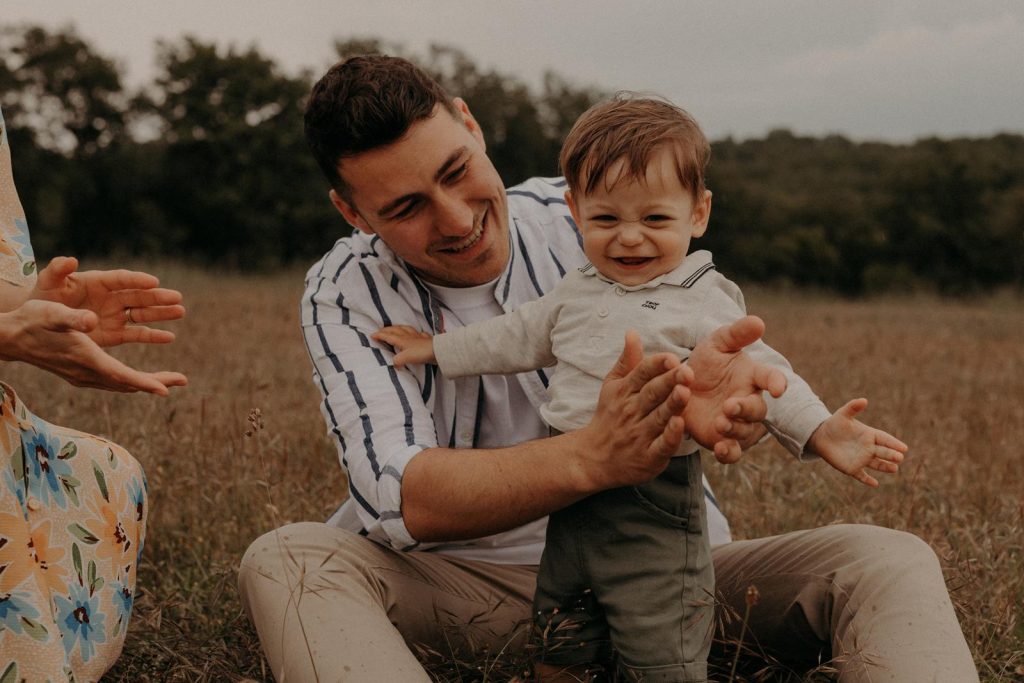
[(469, 241)]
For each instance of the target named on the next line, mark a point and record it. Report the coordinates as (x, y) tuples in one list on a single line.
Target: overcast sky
[(870, 69)]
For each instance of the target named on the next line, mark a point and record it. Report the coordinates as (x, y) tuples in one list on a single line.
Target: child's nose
[(630, 235)]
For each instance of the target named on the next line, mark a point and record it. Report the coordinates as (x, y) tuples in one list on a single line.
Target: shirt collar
[(683, 275)]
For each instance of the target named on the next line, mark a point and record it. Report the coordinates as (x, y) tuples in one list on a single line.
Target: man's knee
[(300, 554), (880, 561), (886, 546)]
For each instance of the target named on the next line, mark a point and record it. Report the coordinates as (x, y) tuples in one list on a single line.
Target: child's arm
[(852, 447), (414, 347)]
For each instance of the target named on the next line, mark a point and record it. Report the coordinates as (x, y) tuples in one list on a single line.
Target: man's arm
[(637, 427), (406, 489), (453, 494)]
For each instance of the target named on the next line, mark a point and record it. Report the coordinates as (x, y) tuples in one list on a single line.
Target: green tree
[(237, 182)]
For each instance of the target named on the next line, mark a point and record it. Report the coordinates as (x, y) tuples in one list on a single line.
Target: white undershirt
[(508, 419)]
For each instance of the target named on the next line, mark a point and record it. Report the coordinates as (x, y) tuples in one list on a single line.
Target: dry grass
[(948, 377)]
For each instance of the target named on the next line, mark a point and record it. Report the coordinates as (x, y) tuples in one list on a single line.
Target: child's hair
[(632, 127)]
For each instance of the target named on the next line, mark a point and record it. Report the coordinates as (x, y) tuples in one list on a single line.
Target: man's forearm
[(450, 494)]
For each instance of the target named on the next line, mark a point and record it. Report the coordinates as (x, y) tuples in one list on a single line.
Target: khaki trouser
[(330, 605)]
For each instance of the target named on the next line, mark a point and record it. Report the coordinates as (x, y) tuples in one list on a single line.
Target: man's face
[(434, 198), (637, 230)]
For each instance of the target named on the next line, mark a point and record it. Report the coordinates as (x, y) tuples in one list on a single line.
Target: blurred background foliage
[(208, 164)]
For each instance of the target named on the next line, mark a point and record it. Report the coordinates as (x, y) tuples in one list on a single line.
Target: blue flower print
[(137, 496), (45, 468), (13, 608), (123, 601), (20, 239), (81, 621), (16, 486)]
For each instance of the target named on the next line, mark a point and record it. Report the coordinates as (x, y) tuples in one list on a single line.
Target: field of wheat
[(945, 376)]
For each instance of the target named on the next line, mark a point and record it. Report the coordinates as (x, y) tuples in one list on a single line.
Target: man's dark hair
[(366, 102)]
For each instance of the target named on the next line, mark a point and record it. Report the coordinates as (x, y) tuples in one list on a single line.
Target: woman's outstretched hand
[(124, 301), (60, 339)]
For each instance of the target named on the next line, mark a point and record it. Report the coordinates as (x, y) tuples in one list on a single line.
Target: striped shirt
[(381, 417)]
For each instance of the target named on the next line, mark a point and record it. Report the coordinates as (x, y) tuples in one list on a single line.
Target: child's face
[(636, 231)]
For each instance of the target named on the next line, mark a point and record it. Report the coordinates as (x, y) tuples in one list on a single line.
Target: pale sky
[(870, 69)]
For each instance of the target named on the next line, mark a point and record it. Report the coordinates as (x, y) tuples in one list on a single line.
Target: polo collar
[(684, 275)]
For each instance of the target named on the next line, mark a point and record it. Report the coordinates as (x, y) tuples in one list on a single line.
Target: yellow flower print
[(16, 562), (48, 559), (113, 524)]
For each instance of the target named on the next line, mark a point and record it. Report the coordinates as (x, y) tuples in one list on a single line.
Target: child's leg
[(651, 568), (570, 631)]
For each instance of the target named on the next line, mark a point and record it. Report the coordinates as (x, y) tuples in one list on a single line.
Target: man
[(450, 481)]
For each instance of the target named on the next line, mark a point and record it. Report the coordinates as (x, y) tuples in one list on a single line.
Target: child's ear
[(701, 214), (350, 213), (572, 206)]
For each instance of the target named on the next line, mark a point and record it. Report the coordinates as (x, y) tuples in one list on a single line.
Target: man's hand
[(57, 339), (413, 346), (638, 424), (852, 446), (726, 407), (110, 294)]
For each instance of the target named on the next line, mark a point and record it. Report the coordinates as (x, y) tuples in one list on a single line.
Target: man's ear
[(349, 212), (467, 118), (701, 214), (572, 207)]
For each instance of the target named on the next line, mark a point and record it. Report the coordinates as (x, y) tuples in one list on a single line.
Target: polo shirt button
[(620, 291), (603, 313), (467, 435), (34, 504)]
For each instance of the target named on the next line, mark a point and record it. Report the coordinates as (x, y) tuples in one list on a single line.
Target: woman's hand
[(59, 339), (123, 301)]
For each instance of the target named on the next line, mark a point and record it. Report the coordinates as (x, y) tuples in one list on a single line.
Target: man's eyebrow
[(395, 203), (452, 158)]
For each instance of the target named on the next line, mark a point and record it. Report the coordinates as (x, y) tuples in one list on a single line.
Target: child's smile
[(637, 229)]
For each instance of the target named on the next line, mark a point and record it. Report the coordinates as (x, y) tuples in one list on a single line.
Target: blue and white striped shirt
[(381, 417)]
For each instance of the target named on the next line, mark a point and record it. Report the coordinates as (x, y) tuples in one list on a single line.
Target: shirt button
[(620, 291), (34, 504), (603, 313), (467, 435)]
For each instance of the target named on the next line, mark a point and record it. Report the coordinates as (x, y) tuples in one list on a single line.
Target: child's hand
[(852, 446), (414, 347)]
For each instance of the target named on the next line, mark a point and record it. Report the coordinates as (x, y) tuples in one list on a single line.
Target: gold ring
[(128, 316)]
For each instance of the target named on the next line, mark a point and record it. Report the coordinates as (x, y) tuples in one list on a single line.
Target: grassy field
[(947, 377)]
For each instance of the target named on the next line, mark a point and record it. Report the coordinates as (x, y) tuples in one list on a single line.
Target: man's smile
[(470, 240)]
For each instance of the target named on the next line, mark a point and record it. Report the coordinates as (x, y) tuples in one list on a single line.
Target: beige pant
[(330, 605)]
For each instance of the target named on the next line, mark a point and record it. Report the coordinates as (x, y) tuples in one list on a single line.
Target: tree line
[(208, 163)]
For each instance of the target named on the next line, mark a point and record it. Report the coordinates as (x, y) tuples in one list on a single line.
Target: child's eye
[(604, 218), (656, 218)]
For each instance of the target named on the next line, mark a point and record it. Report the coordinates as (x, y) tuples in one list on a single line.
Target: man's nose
[(454, 216)]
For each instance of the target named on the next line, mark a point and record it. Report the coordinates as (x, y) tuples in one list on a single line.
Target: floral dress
[(72, 519)]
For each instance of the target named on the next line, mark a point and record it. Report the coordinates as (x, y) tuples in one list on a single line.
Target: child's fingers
[(865, 478), (853, 408), (889, 454), (399, 332), (879, 465), (728, 451), (887, 440)]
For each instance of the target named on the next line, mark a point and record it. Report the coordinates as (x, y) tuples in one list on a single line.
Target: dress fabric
[(72, 519)]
